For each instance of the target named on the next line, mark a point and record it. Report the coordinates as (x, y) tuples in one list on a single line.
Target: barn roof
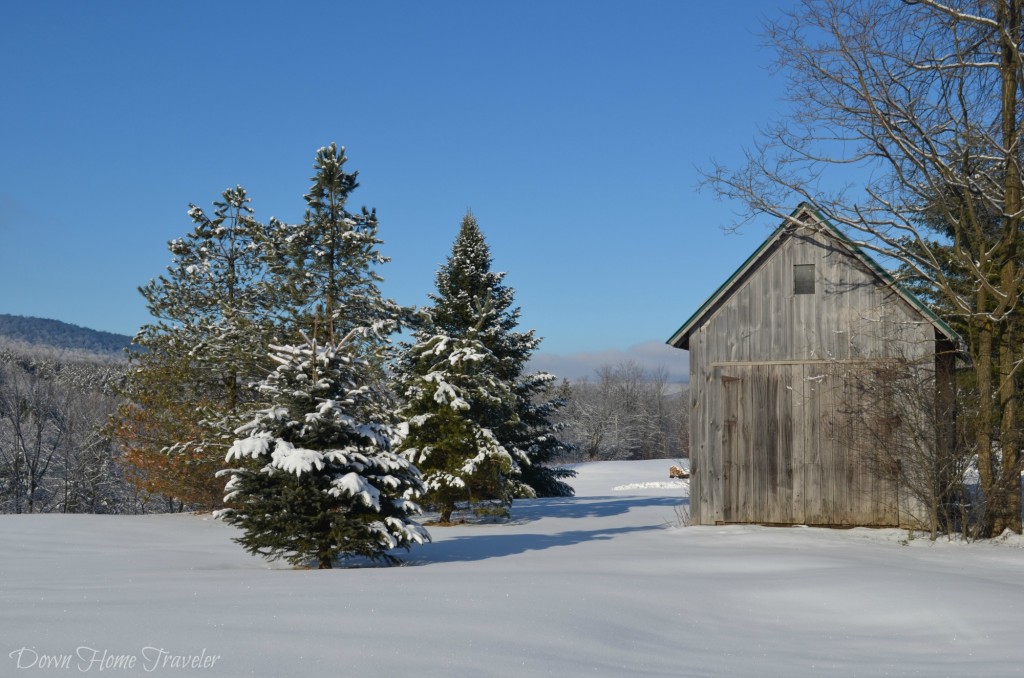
[(681, 338)]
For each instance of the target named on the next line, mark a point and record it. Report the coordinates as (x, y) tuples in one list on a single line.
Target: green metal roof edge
[(887, 277), (678, 334)]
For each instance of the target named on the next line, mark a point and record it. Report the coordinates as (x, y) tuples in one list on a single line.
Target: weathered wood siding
[(772, 412)]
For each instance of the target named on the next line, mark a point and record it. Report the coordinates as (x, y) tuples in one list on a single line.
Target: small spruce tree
[(314, 476)]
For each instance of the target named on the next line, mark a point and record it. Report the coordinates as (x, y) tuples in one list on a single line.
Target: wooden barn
[(779, 415)]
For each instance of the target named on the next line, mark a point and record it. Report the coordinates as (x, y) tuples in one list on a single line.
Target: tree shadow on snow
[(485, 546), (528, 511), (465, 548)]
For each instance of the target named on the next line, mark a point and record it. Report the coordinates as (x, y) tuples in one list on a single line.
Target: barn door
[(757, 443), (792, 448), (839, 484)]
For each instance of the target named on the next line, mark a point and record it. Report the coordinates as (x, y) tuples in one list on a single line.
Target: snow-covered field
[(604, 584)]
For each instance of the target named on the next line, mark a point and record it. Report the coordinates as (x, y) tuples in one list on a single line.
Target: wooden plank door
[(758, 424)]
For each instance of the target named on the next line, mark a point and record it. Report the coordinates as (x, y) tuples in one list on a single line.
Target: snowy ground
[(605, 584)]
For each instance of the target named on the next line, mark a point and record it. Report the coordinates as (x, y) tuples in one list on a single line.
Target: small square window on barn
[(803, 279)]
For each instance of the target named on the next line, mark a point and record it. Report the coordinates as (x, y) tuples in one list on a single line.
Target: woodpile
[(676, 472)]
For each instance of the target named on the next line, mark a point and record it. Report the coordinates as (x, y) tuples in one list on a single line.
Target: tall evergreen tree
[(191, 383), (465, 281), (472, 304), (233, 287), (316, 478)]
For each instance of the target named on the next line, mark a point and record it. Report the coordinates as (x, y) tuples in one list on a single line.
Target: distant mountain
[(57, 334)]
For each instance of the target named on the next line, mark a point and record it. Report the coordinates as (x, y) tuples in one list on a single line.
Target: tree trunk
[(1009, 517), (983, 426)]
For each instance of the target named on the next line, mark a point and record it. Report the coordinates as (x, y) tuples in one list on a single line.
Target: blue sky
[(572, 129)]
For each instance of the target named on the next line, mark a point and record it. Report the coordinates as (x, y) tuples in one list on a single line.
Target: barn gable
[(772, 354), (804, 223)]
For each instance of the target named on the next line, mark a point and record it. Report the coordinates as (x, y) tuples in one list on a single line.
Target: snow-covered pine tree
[(324, 266), (451, 392), (315, 477), (471, 298), (202, 352)]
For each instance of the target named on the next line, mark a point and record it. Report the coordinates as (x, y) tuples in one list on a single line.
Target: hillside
[(57, 334)]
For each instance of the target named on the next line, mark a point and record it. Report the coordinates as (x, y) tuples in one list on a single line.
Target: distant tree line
[(625, 412)]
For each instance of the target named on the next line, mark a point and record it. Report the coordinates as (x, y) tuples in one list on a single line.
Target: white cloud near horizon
[(650, 355)]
